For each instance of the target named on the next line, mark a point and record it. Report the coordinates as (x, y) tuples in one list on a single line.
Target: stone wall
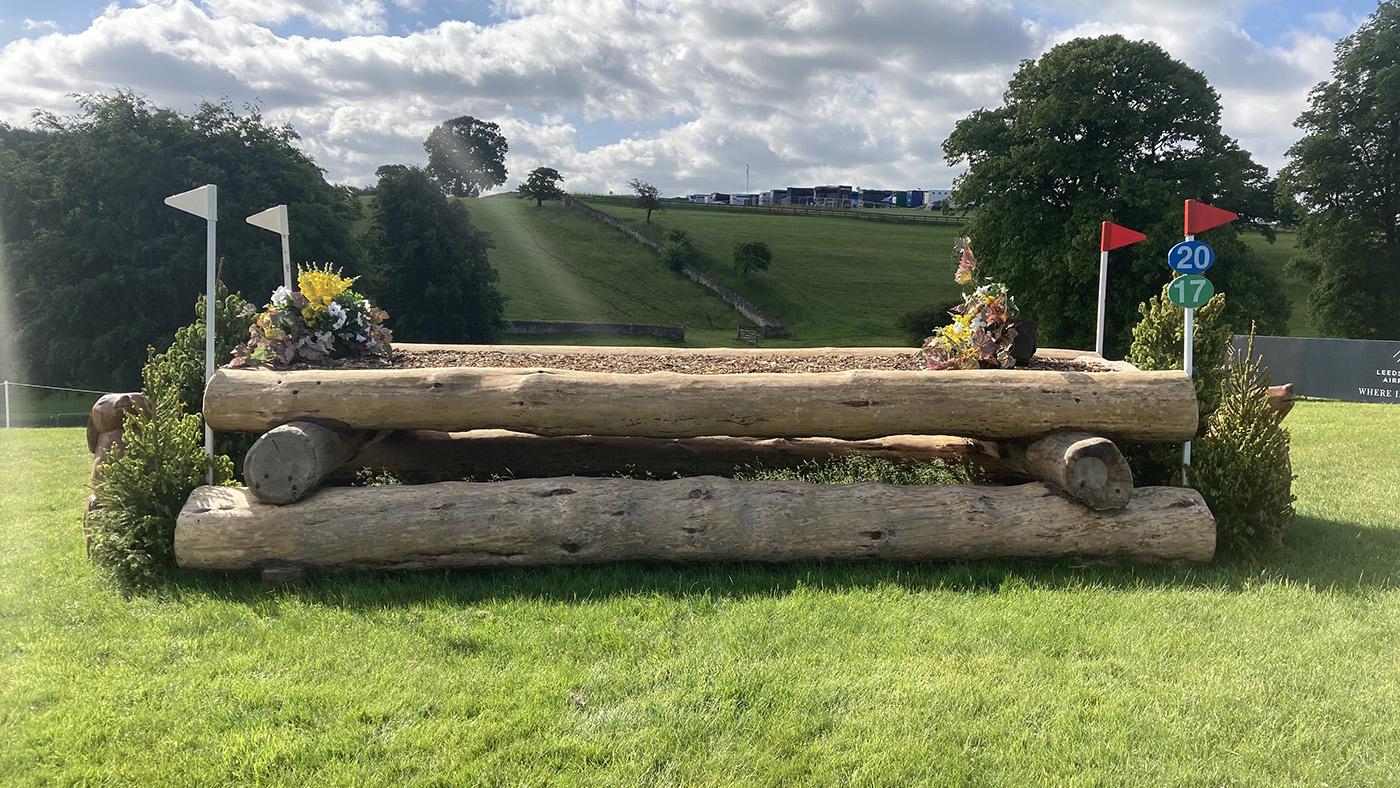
[(674, 333)]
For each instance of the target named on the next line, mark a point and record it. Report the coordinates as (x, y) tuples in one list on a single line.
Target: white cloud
[(856, 91), (40, 26), (345, 16)]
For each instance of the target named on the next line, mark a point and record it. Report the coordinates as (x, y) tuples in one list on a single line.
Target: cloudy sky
[(685, 94)]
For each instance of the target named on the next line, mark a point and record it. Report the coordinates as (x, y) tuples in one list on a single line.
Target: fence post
[(7, 404)]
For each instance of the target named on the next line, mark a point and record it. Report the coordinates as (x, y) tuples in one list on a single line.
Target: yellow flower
[(320, 288)]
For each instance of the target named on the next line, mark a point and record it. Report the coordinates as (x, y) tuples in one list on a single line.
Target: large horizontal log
[(855, 405), (486, 454), (580, 520)]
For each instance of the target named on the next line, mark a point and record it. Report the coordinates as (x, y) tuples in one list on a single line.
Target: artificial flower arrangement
[(981, 334), (323, 318)]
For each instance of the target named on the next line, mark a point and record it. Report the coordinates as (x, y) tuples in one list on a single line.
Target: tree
[(1345, 175), (676, 249), (752, 256), (648, 197), (427, 263), (541, 185), (101, 268), (1106, 129), (466, 156)]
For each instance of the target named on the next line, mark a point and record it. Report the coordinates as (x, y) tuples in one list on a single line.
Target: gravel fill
[(517, 356)]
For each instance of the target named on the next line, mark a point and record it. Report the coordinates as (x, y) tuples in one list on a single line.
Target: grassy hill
[(1277, 255), (560, 265), (833, 281)]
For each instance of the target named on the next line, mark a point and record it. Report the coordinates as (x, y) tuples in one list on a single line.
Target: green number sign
[(1190, 292)]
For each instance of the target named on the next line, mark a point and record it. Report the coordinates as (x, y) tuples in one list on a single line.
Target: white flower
[(338, 312), (281, 295)]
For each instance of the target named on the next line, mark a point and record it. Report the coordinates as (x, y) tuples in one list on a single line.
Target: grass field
[(560, 265), (1280, 673)]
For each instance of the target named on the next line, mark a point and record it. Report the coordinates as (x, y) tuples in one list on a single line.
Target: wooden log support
[(288, 462), (1087, 467), (487, 454), (574, 520), (855, 405)]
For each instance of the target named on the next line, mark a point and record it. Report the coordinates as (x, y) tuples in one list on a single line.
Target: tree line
[(99, 268), (1097, 129)]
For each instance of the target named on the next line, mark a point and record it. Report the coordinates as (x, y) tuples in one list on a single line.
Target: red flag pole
[(1199, 218), (1111, 236)]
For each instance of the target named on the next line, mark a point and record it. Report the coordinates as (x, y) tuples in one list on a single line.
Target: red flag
[(1113, 236), (1201, 217)]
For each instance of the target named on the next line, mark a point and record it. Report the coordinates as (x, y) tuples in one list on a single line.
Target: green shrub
[(1159, 336), (1241, 465), (183, 361), (858, 469), (676, 249), (1157, 345), (917, 324), (147, 483)]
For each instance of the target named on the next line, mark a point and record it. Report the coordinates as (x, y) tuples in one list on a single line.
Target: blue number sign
[(1191, 257)]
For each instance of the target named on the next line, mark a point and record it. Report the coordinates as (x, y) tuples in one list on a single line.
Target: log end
[(1099, 475)]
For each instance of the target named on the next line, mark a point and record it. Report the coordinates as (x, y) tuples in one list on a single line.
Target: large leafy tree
[(1345, 173), (427, 263), (542, 184), (1106, 129), (466, 156), (102, 268)]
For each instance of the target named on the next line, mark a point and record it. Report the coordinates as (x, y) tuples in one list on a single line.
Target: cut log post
[(857, 405), (288, 462), (570, 520), (1087, 467), (486, 454)]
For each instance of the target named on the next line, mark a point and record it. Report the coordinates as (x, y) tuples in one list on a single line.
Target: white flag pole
[(275, 219), (1103, 299), (204, 202), (1188, 353)]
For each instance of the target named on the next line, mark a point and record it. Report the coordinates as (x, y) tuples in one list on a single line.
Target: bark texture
[(1087, 467), (288, 462), (577, 520), (856, 405)]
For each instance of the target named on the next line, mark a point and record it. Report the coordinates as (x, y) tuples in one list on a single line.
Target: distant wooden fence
[(868, 214)]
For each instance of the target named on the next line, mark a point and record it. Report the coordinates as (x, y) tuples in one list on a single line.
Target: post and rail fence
[(14, 419)]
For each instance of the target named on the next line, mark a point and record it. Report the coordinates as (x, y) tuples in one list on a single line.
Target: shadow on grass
[(1324, 555)]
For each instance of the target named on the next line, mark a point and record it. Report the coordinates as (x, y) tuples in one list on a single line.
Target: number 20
[(1193, 257)]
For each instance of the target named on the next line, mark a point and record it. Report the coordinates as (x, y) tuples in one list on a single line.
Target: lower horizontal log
[(485, 454), (569, 520)]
